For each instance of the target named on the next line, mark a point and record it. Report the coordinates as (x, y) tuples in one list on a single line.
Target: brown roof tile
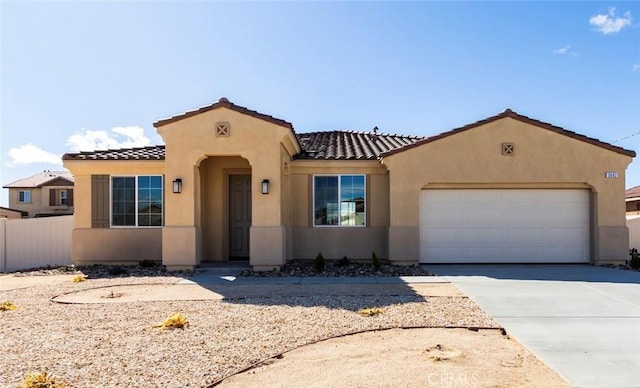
[(140, 153), (511, 114), (349, 145), (224, 103), (633, 192)]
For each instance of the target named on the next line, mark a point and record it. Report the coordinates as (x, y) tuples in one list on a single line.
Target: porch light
[(177, 186), (265, 186)]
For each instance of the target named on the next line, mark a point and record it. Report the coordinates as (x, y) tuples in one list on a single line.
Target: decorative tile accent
[(508, 149), (222, 129)]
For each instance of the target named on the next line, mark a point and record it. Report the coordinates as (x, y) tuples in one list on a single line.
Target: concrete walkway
[(583, 321)]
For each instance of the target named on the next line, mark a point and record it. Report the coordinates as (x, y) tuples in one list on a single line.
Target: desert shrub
[(371, 312), (173, 321), (41, 380), (78, 279), (343, 262), (319, 262), (375, 260), (6, 306), (634, 262)]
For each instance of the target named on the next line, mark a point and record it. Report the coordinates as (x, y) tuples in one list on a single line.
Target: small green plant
[(173, 321), (375, 260), (343, 262), (319, 262), (371, 312), (41, 380), (6, 306), (635, 259), (78, 279)]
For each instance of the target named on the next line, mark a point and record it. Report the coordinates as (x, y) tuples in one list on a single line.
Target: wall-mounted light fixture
[(177, 186), (265, 186)]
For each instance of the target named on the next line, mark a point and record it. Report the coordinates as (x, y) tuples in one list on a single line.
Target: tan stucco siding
[(336, 242), (473, 158), (116, 245), (82, 171), (32, 207)]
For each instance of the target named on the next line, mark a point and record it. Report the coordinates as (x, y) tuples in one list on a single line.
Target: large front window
[(339, 200), (136, 201)]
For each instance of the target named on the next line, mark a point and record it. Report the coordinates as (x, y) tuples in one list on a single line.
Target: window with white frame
[(24, 196), (136, 201), (339, 200), (64, 197)]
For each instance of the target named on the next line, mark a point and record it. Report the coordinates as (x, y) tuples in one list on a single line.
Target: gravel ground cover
[(339, 268), (108, 345)]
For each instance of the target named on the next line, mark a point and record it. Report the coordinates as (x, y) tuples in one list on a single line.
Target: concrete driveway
[(583, 321)]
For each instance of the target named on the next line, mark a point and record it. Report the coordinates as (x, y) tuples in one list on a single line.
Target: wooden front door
[(239, 216)]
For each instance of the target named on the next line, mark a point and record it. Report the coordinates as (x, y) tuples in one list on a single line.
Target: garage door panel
[(506, 225)]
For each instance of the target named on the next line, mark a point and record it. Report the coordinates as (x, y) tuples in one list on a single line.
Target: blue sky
[(95, 75)]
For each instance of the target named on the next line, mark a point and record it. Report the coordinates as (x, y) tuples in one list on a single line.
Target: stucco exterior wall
[(116, 245), (336, 242), (542, 159), (111, 245), (32, 207)]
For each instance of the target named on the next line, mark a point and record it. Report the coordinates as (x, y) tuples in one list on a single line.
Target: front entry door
[(239, 216)]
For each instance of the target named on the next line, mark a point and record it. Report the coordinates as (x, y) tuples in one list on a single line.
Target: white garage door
[(504, 226)]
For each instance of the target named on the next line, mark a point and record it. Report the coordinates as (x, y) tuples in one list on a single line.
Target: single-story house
[(231, 183), (45, 194)]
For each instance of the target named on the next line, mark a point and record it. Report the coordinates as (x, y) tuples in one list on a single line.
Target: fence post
[(3, 245)]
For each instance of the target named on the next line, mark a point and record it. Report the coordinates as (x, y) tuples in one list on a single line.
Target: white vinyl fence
[(634, 232), (35, 242)]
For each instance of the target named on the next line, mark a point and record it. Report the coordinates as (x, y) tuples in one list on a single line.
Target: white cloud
[(30, 153), (609, 23), (635, 67), (565, 50), (118, 137)]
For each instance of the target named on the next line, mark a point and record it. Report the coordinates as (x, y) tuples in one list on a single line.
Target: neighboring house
[(49, 193), (232, 183), (12, 214), (633, 201)]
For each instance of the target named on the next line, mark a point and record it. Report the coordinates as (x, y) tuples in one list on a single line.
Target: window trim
[(313, 200), (136, 226), (27, 192)]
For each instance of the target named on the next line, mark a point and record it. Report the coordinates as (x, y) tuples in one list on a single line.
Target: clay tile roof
[(224, 103), (140, 153), (41, 179), (349, 145), (511, 114), (633, 192)]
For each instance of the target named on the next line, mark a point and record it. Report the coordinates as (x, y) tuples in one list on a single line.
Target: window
[(339, 200), (64, 198), (24, 196), (61, 197), (136, 201)]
